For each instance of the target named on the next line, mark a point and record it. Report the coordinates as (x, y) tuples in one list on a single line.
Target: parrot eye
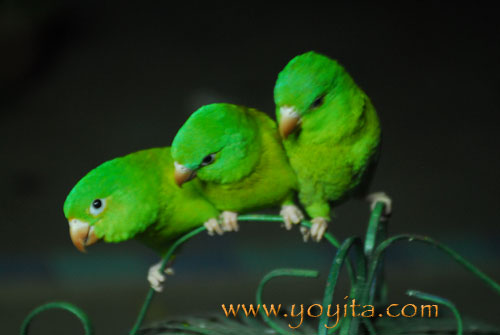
[(208, 160), (318, 102), (97, 206)]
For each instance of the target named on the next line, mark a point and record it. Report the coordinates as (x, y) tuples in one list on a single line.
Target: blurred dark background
[(82, 82)]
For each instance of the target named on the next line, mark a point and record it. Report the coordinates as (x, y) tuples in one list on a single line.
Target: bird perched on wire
[(237, 154), (331, 133), (135, 197)]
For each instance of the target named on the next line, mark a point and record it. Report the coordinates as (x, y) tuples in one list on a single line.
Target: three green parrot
[(330, 131), (229, 159)]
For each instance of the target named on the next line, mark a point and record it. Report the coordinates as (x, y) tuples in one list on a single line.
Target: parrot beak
[(289, 120), (183, 174), (82, 234)]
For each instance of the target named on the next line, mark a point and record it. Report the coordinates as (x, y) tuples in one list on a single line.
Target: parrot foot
[(156, 278), (373, 198), (318, 229), (213, 226), (291, 215), (229, 221)]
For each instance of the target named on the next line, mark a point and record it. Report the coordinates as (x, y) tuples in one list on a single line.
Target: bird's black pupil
[(318, 102), (97, 203), (207, 159)]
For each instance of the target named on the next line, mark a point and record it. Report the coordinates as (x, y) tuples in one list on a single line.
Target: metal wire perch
[(365, 276)]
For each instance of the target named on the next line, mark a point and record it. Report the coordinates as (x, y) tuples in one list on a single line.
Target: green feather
[(141, 200), (339, 132), (250, 170)]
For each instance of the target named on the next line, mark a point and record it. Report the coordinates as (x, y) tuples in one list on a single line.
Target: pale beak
[(183, 174), (289, 120), (82, 234)]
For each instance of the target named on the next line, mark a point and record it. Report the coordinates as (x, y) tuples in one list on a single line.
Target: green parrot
[(135, 197), (237, 154), (331, 134)]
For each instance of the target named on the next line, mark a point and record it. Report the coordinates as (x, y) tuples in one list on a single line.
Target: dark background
[(82, 82)]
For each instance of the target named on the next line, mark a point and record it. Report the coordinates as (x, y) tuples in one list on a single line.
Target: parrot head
[(309, 84), (216, 144), (113, 202)]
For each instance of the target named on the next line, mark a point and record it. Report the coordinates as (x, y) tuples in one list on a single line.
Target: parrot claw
[(318, 228), (305, 233), (373, 198), (156, 278), (229, 221), (213, 226), (291, 215)]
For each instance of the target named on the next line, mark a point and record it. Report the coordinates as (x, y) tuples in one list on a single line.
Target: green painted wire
[(251, 217), (376, 233), (333, 275), (442, 301), (164, 263), (87, 325), (424, 239), (276, 218), (280, 273), (372, 232)]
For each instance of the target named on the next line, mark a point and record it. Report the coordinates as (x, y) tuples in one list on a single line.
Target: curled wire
[(80, 314)]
